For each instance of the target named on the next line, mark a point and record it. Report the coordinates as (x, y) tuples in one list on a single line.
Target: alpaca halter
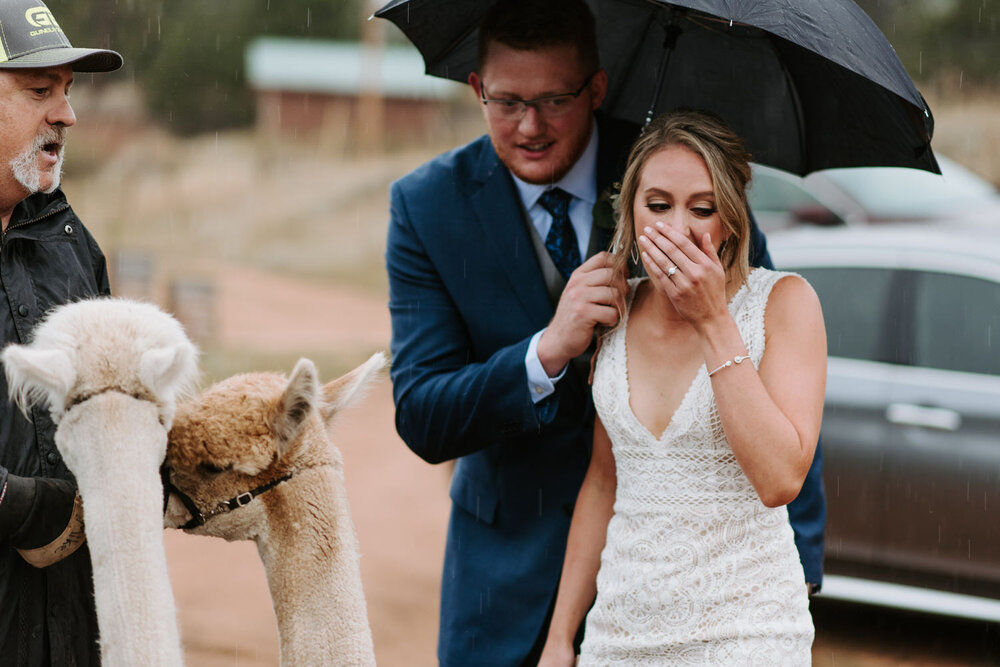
[(199, 518)]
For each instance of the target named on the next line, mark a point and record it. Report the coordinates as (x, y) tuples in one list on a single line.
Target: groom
[(490, 302)]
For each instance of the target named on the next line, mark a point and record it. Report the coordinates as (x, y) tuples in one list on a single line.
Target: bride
[(709, 395)]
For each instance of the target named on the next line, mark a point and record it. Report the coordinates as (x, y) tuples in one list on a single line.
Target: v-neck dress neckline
[(700, 376)]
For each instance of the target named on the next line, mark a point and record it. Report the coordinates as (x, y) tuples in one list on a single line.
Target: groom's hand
[(593, 295)]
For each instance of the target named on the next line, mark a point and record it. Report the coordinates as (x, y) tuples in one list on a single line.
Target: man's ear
[(476, 82), (598, 89)]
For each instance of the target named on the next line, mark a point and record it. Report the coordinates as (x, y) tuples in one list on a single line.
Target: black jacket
[(47, 258)]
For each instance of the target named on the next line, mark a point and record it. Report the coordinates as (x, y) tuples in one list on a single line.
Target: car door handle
[(908, 414)]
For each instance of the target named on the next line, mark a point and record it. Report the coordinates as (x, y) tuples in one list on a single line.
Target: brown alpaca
[(261, 441)]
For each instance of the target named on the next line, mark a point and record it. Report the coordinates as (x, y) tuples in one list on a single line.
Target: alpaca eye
[(211, 468)]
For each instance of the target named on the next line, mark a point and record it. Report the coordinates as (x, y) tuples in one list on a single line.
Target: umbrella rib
[(634, 54), (800, 117), (703, 20)]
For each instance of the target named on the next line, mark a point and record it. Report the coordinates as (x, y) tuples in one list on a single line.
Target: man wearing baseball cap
[(47, 258)]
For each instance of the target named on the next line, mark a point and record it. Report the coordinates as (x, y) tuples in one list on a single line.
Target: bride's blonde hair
[(728, 165)]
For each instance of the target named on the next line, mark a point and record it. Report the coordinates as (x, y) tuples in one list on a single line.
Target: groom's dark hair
[(527, 25)]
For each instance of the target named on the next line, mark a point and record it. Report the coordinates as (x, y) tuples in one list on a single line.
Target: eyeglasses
[(551, 106)]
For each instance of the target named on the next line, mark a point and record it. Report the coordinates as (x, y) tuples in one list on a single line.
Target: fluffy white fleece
[(110, 371)]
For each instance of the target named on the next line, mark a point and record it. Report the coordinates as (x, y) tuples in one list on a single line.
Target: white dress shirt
[(581, 182)]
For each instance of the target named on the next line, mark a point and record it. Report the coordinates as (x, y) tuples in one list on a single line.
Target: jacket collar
[(38, 205)]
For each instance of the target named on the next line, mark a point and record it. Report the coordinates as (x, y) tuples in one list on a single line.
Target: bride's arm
[(578, 583), (772, 416)]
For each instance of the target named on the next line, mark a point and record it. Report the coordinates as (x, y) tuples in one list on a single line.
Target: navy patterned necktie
[(561, 240)]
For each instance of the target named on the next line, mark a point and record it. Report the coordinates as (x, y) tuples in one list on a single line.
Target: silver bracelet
[(735, 360)]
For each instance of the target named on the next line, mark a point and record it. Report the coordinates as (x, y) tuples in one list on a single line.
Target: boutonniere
[(604, 209)]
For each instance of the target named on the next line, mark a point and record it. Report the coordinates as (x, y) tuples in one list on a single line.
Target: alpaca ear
[(37, 376), (352, 387), (296, 404), (167, 371)]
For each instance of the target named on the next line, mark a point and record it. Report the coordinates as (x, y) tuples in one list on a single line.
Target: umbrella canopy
[(810, 84)]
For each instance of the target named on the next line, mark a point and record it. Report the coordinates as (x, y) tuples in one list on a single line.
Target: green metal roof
[(304, 65)]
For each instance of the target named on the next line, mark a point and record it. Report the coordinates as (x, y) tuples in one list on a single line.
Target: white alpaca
[(263, 439), (110, 371)]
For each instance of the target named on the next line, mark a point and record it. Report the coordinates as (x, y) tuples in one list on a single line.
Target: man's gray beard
[(25, 166)]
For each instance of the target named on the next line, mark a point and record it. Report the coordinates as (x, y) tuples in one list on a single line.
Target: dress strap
[(749, 308)]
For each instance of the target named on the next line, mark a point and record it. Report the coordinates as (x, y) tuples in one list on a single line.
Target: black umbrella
[(810, 84)]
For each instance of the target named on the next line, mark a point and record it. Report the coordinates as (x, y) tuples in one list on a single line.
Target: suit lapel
[(615, 139), (502, 220)]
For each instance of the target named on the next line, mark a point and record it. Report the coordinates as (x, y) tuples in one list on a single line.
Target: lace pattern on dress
[(695, 569)]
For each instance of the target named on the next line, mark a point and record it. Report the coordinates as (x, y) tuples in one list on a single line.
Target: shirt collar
[(580, 181)]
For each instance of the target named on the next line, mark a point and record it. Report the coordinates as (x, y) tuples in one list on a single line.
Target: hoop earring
[(634, 253)]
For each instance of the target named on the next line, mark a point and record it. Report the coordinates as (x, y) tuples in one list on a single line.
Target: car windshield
[(894, 192)]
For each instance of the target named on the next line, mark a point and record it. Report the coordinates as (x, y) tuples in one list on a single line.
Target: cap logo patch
[(41, 18), (30, 37)]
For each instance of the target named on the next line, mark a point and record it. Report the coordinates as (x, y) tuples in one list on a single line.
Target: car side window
[(957, 323), (778, 201), (768, 193), (855, 302)]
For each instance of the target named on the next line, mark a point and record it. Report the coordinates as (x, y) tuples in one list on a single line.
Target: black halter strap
[(198, 518)]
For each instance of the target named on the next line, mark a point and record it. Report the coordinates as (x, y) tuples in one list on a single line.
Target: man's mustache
[(53, 135)]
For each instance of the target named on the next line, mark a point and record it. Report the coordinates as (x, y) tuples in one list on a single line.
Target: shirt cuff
[(540, 385)]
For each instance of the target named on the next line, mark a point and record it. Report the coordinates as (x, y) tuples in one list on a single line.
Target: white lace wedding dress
[(695, 570)]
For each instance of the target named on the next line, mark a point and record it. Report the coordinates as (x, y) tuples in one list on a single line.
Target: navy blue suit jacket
[(466, 294)]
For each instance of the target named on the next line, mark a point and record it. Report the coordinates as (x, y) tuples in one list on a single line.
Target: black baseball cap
[(30, 37)]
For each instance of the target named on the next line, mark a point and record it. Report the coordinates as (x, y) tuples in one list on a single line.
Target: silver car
[(911, 426), (871, 195)]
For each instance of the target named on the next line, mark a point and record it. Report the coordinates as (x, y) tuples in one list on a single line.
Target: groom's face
[(545, 142)]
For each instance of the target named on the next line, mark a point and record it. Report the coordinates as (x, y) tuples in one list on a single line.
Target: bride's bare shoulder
[(792, 305)]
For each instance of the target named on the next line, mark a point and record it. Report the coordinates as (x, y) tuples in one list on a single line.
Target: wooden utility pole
[(370, 118)]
